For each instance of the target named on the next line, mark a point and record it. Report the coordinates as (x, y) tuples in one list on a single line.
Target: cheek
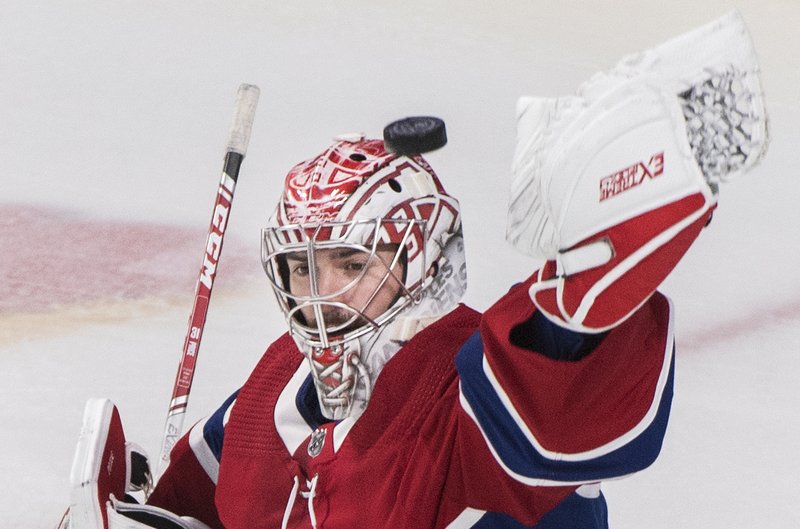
[(358, 297), (386, 296), (298, 286)]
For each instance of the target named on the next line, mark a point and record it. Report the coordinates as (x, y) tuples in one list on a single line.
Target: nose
[(329, 286), (330, 283)]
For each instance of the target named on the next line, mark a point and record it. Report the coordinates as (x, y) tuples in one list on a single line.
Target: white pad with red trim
[(104, 467), (99, 468), (613, 185)]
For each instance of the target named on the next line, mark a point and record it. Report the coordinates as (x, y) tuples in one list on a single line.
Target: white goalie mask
[(364, 246)]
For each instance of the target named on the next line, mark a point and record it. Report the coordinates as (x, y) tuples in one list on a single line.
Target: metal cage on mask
[(365, 244), (330, 328)]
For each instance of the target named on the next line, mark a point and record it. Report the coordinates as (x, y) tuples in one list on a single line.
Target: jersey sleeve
[(188, 485), (550, 422)]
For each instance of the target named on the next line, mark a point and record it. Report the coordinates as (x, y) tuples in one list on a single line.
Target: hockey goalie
[(390, 404)]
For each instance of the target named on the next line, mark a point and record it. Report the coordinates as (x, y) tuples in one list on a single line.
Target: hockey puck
[(415, 135)]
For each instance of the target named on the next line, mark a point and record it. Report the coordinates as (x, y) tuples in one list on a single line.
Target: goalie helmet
[(364, 247)]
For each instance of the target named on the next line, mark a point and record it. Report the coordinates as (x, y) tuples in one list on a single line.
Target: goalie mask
[(364, 247)]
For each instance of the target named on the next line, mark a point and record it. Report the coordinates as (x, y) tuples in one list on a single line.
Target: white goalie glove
[(612, 185)]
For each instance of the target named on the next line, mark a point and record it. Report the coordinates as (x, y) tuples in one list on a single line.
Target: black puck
[(415, 135)]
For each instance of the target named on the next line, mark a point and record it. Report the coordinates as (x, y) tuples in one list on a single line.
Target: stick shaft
[(236, 148)]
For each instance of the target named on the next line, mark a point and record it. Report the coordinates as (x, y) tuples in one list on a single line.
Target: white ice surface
[(118, 111)]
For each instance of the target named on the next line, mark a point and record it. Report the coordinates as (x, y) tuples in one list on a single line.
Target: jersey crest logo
[(317, 442)]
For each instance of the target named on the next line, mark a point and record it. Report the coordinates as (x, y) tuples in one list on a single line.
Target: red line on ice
[(738, 328), (55, 258)]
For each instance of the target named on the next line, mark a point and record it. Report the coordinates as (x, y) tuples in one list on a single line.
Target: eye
[(300, 270), (356, 265)]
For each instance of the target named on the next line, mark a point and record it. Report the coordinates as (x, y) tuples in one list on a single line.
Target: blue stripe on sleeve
[(520, 457)]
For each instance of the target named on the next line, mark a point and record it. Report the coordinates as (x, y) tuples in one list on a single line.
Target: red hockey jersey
[(463, 429)]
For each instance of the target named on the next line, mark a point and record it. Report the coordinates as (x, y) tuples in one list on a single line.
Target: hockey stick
[(238, 138)]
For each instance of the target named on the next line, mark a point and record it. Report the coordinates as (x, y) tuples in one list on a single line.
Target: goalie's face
[(338, 289)]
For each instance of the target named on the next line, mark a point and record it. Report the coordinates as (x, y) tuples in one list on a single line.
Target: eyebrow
[(343, 253), (338, 253)]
